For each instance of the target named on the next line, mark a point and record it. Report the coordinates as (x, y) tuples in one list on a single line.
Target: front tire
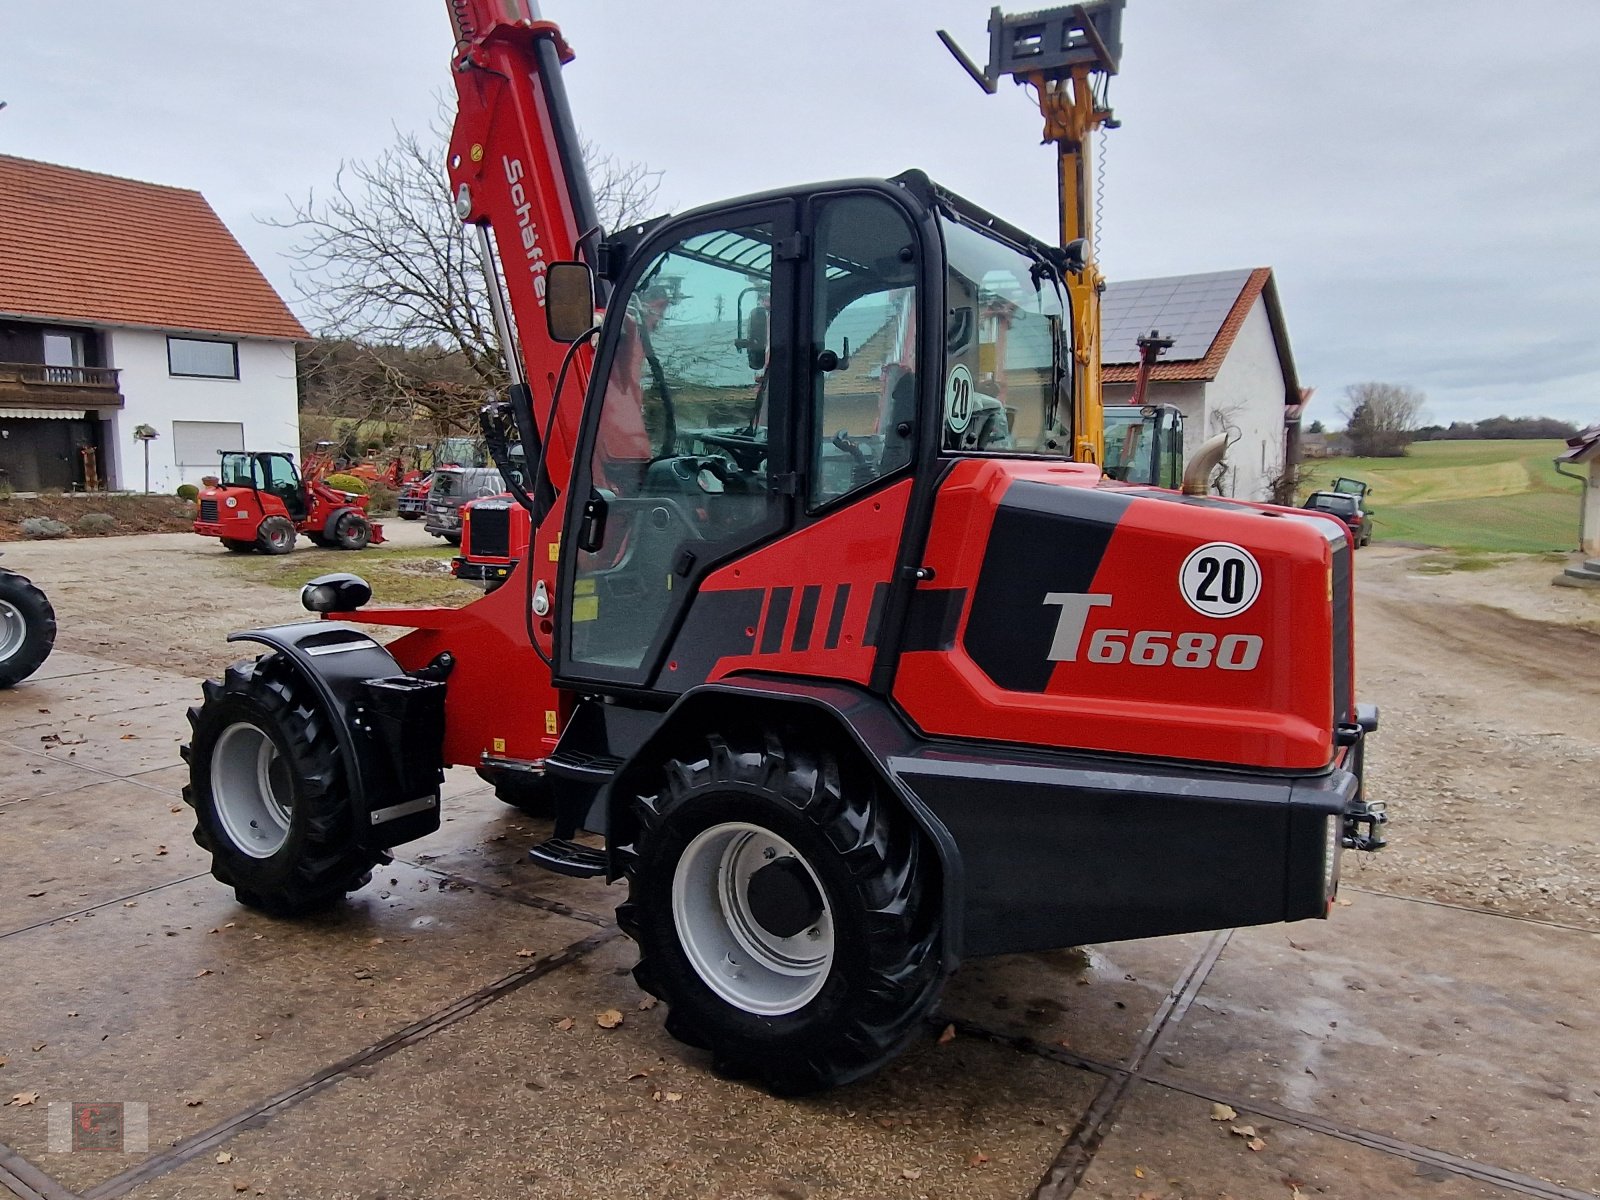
[(352, 532), (785, 910), (27, 628), (275, 535), (268, 789)]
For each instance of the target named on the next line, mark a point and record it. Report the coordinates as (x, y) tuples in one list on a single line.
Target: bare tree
[(394, 286), (1381, 418)]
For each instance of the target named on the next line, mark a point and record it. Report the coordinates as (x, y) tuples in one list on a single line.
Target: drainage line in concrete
[(258, 1116), (1528, 1185), (19, 1175), (503, 893), (1072, 1163), (105, 904)]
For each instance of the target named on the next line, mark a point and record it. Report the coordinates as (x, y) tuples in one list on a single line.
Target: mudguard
[(389, 725)]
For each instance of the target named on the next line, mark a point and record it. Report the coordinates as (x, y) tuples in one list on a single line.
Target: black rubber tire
[(320, 859), (351, 532), (275, 535), (453, 538), (530, 794), (38, 628), (317, 540), (235, 546), (875, 867), (409, 516)]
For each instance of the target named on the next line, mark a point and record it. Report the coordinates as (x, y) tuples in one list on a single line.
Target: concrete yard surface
[(436, 1036)]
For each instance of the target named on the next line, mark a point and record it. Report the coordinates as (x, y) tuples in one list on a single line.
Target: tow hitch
[(1363, 826)]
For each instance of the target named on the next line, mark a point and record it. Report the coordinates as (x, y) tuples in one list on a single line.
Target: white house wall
[(263, 399), (1247, 395)]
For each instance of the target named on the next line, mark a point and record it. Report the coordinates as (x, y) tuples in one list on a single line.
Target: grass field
[(400, 575), (1496, 496)]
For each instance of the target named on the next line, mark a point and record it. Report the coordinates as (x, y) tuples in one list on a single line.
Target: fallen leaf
[(977, 1159), (674, 1097), (160, 850), (1294, 945), (1221, 1112), (648, 1003), (223, 1157), (202, 971), (2, 1062), (1247, 1131), (23, 1099), (40, 1046), (948, 1035), (193, 1103), (609, 1019), (130, 737), (565, 1023), (639, 1075), (257, 1037), (256, 937), (131, 904), (241, 1186), (1138, 1172), (363, 973), (34, 895), (1256, 1143), (1342, 902), (175, 808), (376, 942), (887, 1122), (524, 953), (911, 1173)]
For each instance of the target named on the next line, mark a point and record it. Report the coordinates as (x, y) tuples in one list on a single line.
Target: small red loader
[(260, 502)]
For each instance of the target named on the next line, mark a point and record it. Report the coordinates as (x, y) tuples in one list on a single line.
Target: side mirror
[(568, 300), (754, 341)]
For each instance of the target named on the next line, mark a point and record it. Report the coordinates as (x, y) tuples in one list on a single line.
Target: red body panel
[(1277, 715)]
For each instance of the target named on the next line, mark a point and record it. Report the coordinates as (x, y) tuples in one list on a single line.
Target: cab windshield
[(1007, 349)]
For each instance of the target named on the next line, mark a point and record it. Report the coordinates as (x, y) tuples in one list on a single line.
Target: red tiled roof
[(1200, 369), (79, 246)]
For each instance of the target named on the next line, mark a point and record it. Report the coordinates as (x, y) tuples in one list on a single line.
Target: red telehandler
[(847, 699)]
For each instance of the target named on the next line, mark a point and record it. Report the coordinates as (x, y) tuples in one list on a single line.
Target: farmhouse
[(127, 304), (1230, 369)]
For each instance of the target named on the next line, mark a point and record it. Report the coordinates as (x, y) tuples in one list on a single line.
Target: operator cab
[(1144, 444), (268, 472), (772, 361)]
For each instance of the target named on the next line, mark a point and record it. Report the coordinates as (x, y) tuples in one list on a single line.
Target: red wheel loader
[(849, 694), (260, 502)]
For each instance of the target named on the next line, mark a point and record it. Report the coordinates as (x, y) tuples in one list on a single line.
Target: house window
[(199, 359), (202, 443)]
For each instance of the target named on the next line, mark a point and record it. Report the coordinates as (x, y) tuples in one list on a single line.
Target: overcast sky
[(1424, 176)]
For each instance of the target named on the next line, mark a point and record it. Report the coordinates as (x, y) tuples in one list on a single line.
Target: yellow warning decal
[(499, 745), (555, 548), (585, 608), (549, 720)]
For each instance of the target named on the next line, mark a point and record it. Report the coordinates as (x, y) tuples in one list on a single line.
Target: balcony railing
[(91, 377)]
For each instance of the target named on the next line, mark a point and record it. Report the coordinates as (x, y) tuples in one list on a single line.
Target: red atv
[(259, 502)]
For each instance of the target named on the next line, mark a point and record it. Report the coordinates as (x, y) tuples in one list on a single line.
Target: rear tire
[(275, 535), (822, 974), (410, 516), (268, 789), (27, 628), (530, 794), (237, 547), (351, 532)]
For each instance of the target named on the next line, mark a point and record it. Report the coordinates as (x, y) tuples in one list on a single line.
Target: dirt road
[(1487, 682)]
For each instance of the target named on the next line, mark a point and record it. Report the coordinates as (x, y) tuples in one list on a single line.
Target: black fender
[(876, 731), (389, 725)]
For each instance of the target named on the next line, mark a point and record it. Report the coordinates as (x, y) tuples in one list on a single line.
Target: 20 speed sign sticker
[(1220, 579), (958, 399)]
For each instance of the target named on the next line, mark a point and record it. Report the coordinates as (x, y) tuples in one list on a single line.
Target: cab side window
[(864, 346)]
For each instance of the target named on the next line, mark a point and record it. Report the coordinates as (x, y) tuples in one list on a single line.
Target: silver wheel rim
[(250, 790), (13, 629), (743, 963)]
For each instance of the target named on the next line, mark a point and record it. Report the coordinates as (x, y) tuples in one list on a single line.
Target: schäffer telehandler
[(848, 698)]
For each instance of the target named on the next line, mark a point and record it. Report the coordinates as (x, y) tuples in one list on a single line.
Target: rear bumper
[(481, 573), (1061, 849)]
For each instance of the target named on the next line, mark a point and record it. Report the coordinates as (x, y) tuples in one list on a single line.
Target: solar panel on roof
[(1190, 309)]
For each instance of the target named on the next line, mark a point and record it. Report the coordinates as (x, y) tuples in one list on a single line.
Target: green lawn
[(1499, 496)]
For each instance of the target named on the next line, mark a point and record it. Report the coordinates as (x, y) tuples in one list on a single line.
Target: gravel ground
[(1487, 681)]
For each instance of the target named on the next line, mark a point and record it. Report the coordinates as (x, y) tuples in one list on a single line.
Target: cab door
[(685, 456)]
